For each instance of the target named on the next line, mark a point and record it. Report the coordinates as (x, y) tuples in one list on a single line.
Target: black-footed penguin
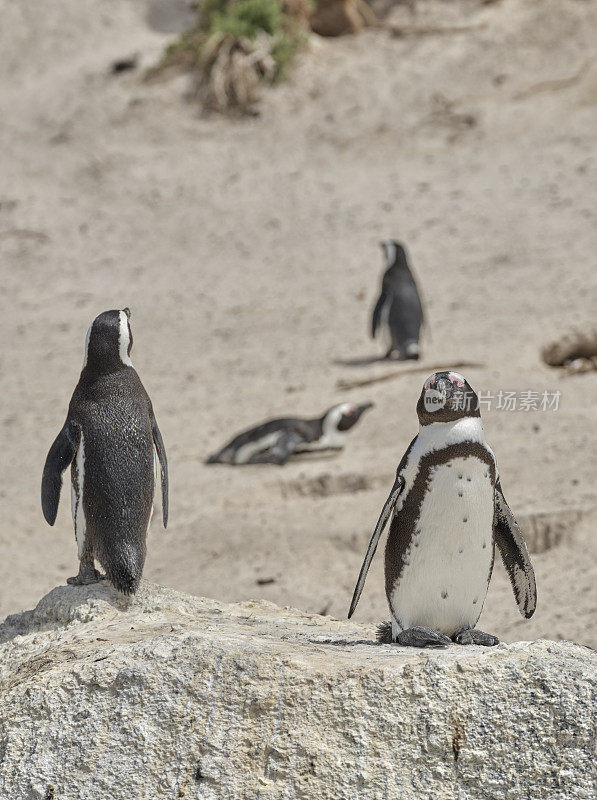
[(448, 510), (109, 438), (275, 441), (398, 310)]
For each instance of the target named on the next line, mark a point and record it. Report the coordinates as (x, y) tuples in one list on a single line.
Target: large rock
[(172, 696)]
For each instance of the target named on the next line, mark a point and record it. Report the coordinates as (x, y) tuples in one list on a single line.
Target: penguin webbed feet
[(87, 574), (474, 636), (397, 355), (418, 636)]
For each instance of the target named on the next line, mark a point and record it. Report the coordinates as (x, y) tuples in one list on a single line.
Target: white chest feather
[(446, 570), (76, 495), (246, 451), (384, 322)]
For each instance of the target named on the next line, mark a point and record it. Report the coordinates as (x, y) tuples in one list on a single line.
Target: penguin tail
[(225, 456), (124, 566), (384, 633), (125, 581)]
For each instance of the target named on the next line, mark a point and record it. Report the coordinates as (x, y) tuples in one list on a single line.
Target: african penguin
[(398, 310), (275, 441), (448, 510), (108, 439)]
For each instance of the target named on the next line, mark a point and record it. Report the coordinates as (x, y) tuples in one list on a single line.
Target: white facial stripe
[(87, 344), (332, 437), (390, 253), (124, 340), (333, 417)]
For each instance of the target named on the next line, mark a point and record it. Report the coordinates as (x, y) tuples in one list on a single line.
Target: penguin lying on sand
[(109, 438), (447, 510), (275, 441), (398, 309)]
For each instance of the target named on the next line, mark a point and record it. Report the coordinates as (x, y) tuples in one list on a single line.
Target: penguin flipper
[(280, 452), (377, 313), (381, 524), (59, 457), (515, 555), (161, 451)]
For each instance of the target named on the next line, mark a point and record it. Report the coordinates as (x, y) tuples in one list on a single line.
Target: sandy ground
[(248, 253)]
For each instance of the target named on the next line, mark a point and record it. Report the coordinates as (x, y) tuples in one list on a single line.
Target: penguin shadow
[(60, 606), (346, 642), (322, 454), (362, 362)]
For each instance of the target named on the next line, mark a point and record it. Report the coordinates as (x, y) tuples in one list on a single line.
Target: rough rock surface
[(173, 696)]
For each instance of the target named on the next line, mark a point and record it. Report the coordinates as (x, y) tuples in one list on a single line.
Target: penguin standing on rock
[(275, 441), (448, 510), (398, 310), (108, 439)]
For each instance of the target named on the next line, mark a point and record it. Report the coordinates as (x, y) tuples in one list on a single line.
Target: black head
[(351, 415), (109, 342), (446, 397), (343, 417), (394, 254)]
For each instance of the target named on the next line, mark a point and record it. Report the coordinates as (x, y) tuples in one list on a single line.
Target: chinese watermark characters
[(527, 400)]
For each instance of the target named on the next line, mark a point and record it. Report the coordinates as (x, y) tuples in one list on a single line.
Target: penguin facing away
[(110, 439), (447, 512), (276, 440), (398, 311)]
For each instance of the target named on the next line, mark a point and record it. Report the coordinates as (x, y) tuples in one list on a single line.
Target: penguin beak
[(127, 311), (444, 386)]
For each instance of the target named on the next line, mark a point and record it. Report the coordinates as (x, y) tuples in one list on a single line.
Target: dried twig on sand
[(400, 31), (234, 46), (344, 385), (556, 84)]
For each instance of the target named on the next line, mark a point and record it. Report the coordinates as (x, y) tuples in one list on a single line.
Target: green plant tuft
[(234, 45), (247, 18)]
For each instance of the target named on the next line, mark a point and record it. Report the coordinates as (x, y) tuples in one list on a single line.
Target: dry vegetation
[(234, 46), (576, 351)]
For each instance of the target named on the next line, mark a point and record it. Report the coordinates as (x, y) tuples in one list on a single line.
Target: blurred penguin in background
[(276, 440), (398, 312)]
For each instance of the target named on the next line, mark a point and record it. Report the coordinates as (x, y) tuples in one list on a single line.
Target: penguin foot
[(473, 636), (87, 574), (420, 636)]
